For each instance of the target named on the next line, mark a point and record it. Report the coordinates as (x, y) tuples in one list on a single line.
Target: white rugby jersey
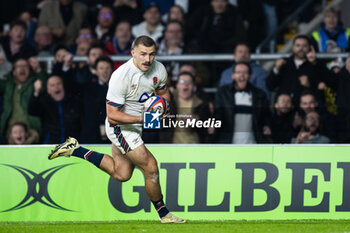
[(129, 87)]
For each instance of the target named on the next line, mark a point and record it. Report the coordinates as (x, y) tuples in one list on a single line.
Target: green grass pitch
[(312, 226)]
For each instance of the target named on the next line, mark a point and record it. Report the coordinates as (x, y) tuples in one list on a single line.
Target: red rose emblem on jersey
[(155, 80)]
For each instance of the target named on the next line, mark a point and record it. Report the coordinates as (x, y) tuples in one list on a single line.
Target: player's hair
[(104, 59), (186, 73), (305, 37), (243, 63), (143, 40)]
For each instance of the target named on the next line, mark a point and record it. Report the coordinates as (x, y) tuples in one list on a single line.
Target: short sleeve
[(163, 76), (117, 90)]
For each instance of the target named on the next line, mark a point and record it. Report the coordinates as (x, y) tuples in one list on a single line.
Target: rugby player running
[(130, 85)]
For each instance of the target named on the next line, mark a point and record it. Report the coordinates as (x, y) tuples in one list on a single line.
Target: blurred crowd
[(302, 100)]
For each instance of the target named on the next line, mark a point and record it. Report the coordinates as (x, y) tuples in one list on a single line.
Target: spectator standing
[(326, 94), (309, 103), (128, 10), (216, 28), (86, 35), (172, 44), (295, 74), (199, 71), (34, 6), (105, 25), (163, 5), (271, 19), (332, 37), (151, 26), (282, 129), (82, 50), (60, 112), (87, 73), (94, 101), (31, 23), (63, 64), (176, 12), (121, 42), (254, 21), (259, 75), (343, 100), (16, 91), (329, 91), (311, 130), (193, 5), (15, 44), (242, 109), (186, 103), (64, 18), (338, 101), (44, 41)]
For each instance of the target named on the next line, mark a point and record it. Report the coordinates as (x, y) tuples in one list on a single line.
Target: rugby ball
[(154, 104)]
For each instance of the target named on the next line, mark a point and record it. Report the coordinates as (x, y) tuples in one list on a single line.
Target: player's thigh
[(143, 159), (123, 166)]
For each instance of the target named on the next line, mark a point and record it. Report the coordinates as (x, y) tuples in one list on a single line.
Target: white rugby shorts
[(125, 137)]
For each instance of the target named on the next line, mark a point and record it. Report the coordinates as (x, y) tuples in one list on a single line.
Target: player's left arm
[(162, 89), (164, 92)]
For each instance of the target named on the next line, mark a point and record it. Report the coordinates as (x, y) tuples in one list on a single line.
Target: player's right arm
[(116, 117), (116, 95)]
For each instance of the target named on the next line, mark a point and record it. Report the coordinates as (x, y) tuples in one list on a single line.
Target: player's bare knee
[(121, 177), (124, 178)]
